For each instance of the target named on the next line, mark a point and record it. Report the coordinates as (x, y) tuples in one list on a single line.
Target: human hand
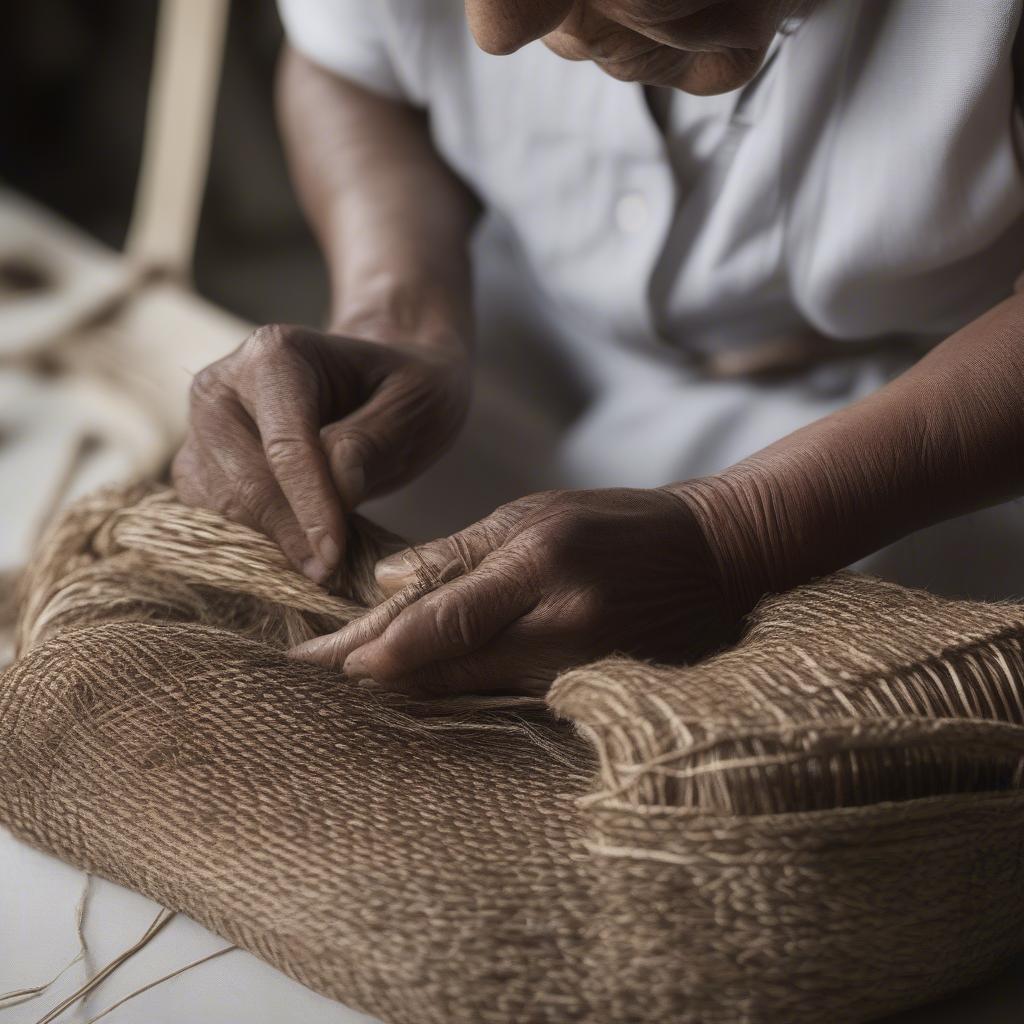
[(296, 427), (550, 581)]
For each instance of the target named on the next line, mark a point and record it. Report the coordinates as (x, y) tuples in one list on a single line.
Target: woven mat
[(823, 823)]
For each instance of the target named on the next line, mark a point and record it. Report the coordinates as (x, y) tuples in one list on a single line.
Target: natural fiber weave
[(824, 823)]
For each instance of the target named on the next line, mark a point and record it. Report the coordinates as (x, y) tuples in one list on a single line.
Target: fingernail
[(355, 667), (315, 569), (325, 549), (330, 553), (394, 569)]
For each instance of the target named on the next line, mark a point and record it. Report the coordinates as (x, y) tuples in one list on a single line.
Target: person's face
[(700, 46)]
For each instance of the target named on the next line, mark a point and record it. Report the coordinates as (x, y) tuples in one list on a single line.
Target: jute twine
[(823, 823)]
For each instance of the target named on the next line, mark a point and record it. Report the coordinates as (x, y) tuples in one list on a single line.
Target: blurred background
[(75, 75), (96, 352), (98, 346)]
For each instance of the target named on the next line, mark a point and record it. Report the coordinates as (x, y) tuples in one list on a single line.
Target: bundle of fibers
[(822, 823)]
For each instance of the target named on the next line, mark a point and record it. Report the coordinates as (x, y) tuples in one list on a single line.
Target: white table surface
[(38, 900), (38, 897)]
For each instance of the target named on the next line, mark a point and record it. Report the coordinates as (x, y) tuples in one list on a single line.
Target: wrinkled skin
[(699, 46), (295, 419), (550, 581), (297, 427)]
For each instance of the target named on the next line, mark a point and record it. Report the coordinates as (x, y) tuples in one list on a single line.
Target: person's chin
[(703, 73)]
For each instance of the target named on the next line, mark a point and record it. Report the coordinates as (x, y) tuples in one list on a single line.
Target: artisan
[(702, 299)]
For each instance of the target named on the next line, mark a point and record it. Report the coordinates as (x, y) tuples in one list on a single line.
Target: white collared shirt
[(867, 184)]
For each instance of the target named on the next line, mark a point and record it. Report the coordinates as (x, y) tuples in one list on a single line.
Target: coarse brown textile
[(824, 823)]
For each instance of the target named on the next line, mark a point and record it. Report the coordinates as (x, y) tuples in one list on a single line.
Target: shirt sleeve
[(348, 37)]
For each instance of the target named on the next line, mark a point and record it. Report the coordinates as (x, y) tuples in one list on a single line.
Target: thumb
[(368, 450), (347, 456), (441, 559)]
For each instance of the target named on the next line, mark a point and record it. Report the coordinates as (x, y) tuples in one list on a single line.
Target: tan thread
[(159, 923), (159, 981)]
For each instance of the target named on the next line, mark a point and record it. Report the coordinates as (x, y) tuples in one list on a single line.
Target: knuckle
[(456, 550), (433, 559), (366, 447), (276, 523), (250, 494), (522, 569), (511, 519), (533, 508), (559, 522), (285, 454), (209, 387), (456, 623), (268, 340)]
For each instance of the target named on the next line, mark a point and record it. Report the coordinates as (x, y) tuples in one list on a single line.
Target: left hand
[(544, 583)]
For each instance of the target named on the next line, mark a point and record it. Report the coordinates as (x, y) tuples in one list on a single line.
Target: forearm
[(392, 219), (944, 439)]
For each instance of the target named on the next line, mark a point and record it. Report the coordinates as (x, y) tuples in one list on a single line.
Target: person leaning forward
[(740, 222)]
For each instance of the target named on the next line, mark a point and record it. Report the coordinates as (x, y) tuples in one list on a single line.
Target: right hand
[(296, 427)]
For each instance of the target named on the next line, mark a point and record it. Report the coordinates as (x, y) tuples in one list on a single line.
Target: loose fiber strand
[(159, 922), (160, 981), (23, 995)]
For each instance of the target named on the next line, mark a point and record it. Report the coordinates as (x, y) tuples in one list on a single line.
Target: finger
[(242, 486), (189, 474), (371, 449), (331, 650), (449, 622), (467, 549), (522, 660), (269, 512), (281, 393)]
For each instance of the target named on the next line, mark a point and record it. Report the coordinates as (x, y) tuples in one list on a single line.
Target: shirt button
[(631, 213)]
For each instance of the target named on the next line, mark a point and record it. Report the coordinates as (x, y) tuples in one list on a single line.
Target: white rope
[(179, 127)]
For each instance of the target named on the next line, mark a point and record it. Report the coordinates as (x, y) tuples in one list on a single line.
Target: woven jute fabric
[(824, 823)]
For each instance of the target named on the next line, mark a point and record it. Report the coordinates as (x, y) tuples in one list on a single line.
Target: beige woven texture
[(824, 823)]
